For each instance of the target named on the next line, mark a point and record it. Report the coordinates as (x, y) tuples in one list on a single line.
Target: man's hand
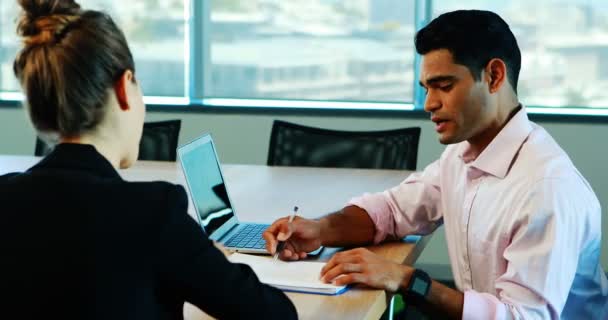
[(303, 236), (363, 266)]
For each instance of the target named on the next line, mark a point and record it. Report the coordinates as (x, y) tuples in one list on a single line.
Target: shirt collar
[(497, 157), (82, 157)]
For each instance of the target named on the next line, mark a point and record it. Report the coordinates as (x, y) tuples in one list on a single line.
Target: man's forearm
[(350, 226), (442, 302), (446, 299)]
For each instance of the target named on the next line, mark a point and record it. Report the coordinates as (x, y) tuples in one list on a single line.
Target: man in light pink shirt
[(523, 227)]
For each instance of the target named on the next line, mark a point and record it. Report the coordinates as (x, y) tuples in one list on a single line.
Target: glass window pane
[(564, 47), (360, 50), (155, 30), (8, 45)]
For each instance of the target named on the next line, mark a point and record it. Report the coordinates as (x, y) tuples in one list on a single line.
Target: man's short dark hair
[(474, 37)]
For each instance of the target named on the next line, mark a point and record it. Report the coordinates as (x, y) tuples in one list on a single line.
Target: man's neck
[(482, 140)]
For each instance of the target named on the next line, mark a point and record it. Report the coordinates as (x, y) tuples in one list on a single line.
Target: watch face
[(419, 286)]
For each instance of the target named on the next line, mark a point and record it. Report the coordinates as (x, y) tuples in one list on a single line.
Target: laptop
[(214, 209)]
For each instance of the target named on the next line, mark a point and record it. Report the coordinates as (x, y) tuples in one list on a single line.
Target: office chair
[(297, 145), (158, 141)]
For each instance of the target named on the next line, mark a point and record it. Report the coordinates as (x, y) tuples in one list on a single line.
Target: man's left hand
[(363, 266)]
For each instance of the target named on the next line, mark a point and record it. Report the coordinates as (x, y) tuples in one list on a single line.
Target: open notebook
[(297, 276)]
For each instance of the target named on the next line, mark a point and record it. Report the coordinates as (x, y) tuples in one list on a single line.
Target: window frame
[(197, 55)]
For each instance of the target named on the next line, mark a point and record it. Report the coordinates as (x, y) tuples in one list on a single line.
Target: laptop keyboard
[(249, 237)]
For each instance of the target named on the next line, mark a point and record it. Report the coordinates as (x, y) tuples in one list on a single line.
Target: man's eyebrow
[(436, 79)]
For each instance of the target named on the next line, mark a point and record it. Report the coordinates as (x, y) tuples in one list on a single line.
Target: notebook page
[(297, 274)]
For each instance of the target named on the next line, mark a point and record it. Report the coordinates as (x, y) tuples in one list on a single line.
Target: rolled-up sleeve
[(542, 256), (412, 207)]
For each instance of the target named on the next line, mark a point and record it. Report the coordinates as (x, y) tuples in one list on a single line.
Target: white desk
[(262, 194)]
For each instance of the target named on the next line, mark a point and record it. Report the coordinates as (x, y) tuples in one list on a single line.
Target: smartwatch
[(418, 288)]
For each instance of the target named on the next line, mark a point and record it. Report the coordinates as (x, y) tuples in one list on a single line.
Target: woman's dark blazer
[(79, 242)]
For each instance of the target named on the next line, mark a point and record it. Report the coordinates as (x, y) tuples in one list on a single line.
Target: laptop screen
[(207, 189)]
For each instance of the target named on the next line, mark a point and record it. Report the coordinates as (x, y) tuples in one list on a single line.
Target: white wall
[(243, 138)]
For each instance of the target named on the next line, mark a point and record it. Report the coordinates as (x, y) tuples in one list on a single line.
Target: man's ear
[(496, 74), (120, 89)]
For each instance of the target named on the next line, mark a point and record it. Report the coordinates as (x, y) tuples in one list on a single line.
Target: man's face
[(459, 105)]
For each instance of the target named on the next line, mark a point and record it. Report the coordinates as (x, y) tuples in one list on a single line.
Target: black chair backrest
[(158, 141), (296, 145)]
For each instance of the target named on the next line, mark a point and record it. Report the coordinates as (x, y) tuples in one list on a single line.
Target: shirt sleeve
[(542, 256), (194, 270), (412, 207)]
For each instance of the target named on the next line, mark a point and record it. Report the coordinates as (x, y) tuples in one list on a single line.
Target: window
[(313, 50), (564, 47), (8, 46), (354, 54), (155, 30)]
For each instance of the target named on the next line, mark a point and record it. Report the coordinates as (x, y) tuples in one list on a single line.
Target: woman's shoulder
[(159, 190), (8, 176)]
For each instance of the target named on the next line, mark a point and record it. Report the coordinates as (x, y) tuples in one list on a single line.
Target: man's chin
[(448, 139)]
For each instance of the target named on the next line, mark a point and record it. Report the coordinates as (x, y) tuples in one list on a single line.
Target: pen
[(281, 244)]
